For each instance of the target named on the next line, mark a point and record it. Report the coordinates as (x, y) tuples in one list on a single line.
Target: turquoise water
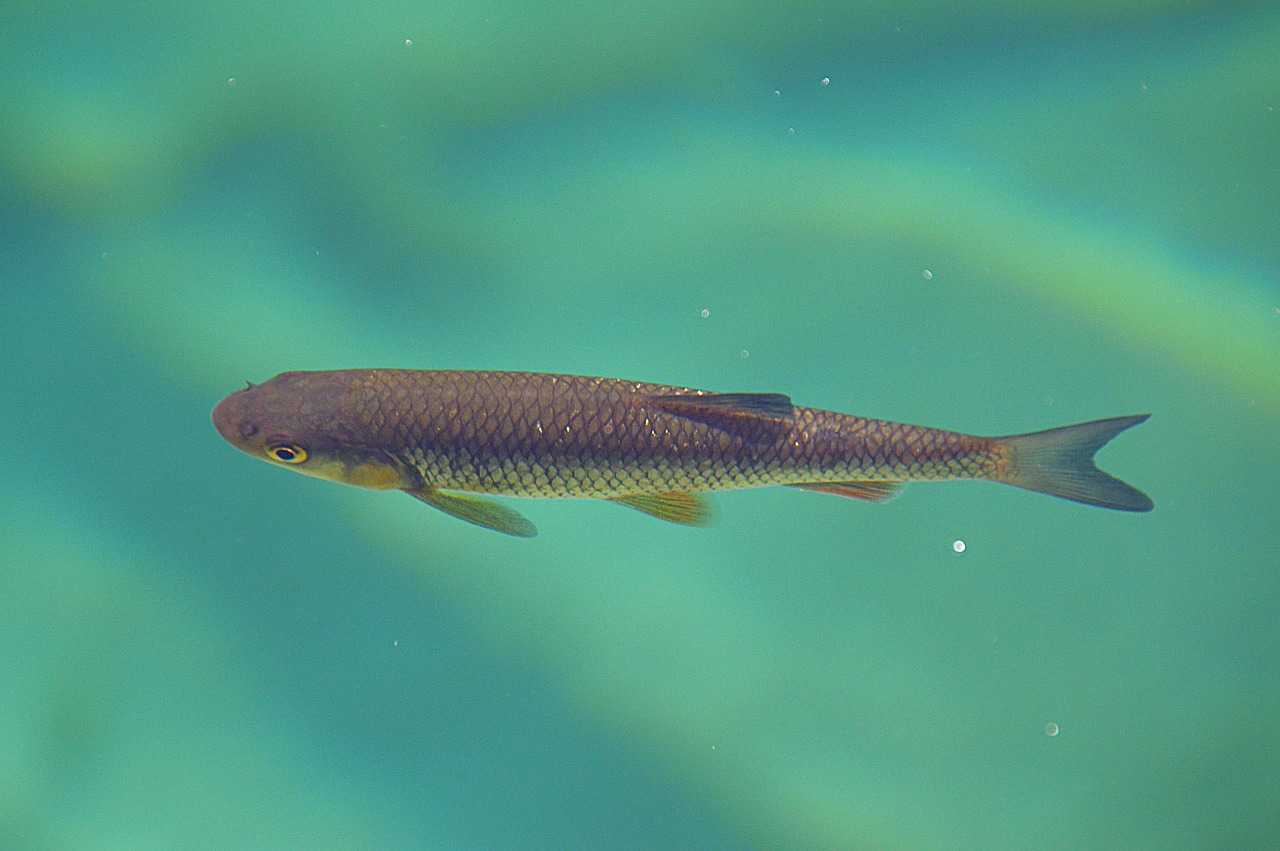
[(995, 219)]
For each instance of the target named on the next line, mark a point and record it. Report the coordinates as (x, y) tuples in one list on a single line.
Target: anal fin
[(478, 510), (869, 491), (684, 508)]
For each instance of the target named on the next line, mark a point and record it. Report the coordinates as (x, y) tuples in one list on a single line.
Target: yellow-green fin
[(684, 508), (478, 510), (869, 491)]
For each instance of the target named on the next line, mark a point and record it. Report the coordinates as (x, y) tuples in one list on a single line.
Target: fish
[(453, 439)]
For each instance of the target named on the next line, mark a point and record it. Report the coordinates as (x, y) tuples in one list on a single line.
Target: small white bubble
[(231, 81), (927, 275), (1051, 729), (395, 643), (958, 546), (777, 93), (746, 354), (791, 131), (826, 81), (408, 42), (705, 313)]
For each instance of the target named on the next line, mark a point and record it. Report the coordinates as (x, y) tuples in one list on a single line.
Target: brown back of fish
[(535, 434)]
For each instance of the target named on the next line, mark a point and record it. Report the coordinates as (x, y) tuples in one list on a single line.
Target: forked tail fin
[(1060, 462)]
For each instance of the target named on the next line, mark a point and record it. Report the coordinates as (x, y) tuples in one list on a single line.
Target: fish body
[(653, 447)]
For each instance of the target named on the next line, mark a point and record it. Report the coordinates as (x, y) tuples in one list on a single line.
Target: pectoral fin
[(478, 510), (684, 508)]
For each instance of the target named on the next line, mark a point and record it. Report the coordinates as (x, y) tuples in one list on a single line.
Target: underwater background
[(985, 216)]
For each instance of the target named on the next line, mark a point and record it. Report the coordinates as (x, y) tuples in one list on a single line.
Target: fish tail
[(1059, 462)]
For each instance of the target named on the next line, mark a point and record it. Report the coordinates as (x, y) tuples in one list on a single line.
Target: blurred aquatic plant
[(388, 118), (1213, 321), (123, 715)]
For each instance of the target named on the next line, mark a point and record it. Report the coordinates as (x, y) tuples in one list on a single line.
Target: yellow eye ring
[(286, 453)]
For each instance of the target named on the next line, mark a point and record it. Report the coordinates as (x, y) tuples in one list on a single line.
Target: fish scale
[(543, 436), (649, 446)]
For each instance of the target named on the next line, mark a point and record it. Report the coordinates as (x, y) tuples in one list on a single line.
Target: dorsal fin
[(757, 417)]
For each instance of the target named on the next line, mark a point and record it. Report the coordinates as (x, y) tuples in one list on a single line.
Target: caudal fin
[(1060, 462)]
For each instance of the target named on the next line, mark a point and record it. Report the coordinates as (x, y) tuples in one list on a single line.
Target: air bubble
[(958, 546)]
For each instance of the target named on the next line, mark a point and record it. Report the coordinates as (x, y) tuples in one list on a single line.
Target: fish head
[(302, 421)]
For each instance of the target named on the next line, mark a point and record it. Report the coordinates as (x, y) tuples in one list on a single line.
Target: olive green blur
[(993, 217), (648, 446)]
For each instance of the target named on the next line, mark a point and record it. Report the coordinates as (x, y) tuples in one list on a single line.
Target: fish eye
[(287, 453)]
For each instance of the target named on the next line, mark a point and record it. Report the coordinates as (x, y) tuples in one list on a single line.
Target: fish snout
[(231, 420)]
